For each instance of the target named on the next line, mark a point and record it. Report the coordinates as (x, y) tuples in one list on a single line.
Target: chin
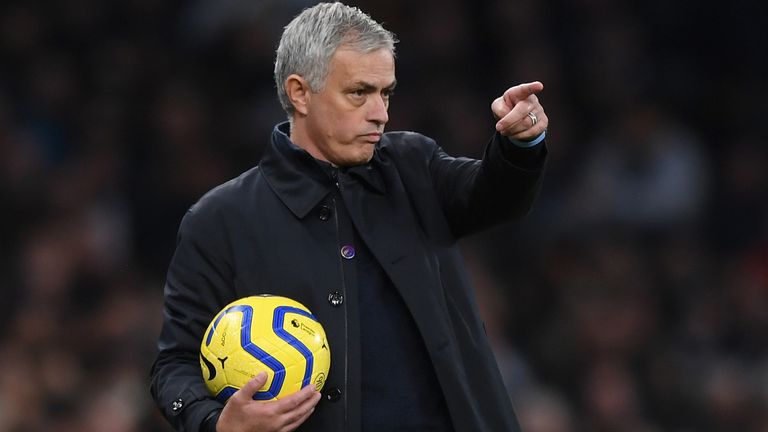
[(367, 156), (362, 156)]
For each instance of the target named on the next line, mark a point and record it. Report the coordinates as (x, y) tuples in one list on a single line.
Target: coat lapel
[(386, 223)]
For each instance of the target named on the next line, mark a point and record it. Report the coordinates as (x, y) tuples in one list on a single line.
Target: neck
[(301, 138)]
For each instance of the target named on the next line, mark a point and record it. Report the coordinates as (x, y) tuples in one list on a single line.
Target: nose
[(377, 111)]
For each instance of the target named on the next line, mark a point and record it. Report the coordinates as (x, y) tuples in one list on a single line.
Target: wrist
[(531, 143)]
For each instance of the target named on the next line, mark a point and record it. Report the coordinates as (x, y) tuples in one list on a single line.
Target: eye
[(359, 93)]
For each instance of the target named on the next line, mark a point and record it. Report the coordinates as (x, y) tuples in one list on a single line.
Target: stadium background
[(634, 298)]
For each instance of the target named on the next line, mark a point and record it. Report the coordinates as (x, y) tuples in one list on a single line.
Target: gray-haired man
[(362, 228)]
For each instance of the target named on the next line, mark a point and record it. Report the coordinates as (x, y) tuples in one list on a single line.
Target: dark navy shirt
[(400, 391)]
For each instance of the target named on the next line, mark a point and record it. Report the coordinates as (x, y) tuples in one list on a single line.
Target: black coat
[(275, 230)]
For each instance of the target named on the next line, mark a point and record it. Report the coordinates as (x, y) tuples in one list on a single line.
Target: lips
[(374, 136)]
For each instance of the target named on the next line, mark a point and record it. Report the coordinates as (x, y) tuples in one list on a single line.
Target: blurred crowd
[(633, 298)]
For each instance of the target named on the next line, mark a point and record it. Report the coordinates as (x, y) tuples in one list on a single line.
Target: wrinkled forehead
[(375, 68)]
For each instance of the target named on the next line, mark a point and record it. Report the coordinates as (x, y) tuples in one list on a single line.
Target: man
[(362, 228)]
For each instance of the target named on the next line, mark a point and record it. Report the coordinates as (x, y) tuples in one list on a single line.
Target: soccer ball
[(267, 333)]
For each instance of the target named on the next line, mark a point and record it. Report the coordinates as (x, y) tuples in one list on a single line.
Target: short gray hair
[(309, 41)]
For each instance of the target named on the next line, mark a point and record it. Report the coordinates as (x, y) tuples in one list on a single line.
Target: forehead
[(375, 67)]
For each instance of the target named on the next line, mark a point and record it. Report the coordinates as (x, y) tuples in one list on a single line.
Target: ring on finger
[(533, 118)]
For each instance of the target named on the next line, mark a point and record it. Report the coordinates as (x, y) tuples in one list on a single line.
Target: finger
[(294, 425), (513, 121), (292, 402), (251, 387), (298, 416), (520, 92), (500, 108), (525, 123), (534, 131)]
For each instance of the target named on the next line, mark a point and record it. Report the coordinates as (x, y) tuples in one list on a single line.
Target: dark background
[(633, 298)]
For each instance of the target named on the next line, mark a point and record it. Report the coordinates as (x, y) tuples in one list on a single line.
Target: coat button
[(348, 251), (333, 395), (335, 298), (325, 213), (177, 404)]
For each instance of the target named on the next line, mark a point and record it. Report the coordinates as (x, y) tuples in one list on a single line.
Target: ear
[(298, 91)]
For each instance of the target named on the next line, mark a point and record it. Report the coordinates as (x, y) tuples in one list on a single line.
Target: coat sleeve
[(478, 194), (198, 283)]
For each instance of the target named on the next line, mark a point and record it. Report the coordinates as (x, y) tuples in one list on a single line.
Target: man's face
[(346, 118)]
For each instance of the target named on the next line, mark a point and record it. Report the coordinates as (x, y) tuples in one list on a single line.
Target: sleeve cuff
[(528, 144), (524, 158), (209, 424)]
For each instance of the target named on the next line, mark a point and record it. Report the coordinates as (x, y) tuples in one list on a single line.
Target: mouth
[(373, 136)]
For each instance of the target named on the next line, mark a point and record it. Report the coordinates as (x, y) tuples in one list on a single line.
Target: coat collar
[(301, 181)]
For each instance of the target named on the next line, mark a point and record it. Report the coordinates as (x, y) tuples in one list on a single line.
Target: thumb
[(500, 108), (252, 387)]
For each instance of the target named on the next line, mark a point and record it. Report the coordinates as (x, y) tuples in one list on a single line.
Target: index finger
[(293, 401), (519, 92)]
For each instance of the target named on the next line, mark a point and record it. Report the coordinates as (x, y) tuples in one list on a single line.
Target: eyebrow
[(368, 87)]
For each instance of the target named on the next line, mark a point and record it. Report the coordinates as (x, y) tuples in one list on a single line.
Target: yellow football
[(267, 333)]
